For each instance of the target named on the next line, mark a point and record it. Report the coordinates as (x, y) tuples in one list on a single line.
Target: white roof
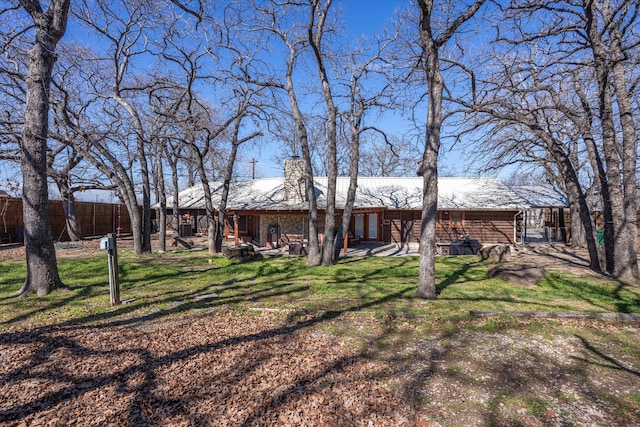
[(373, 192), (541, 196)]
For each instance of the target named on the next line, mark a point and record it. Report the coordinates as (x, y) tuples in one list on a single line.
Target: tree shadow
[(138, 372), (607, 361), (138, 376), (598, 295)]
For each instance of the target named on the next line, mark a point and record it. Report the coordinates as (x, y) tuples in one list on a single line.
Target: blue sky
[(369, 16), (362, 17)]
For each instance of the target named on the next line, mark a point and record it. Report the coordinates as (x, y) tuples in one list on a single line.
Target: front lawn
[(195, 282)]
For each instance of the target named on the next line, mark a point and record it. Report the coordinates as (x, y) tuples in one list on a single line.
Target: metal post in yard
[(109, 243)]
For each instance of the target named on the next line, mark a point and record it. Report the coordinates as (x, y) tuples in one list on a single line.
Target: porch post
[(235, 230)]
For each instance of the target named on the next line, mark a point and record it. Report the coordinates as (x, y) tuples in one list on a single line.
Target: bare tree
[(431, 43), (393, 155), (126, 37), (290, 25), (65, 165), (48, 26), (204, 129), (368, 90), (571, 69), (608, 24), (236, 141), (99, 133), (305, 30), (524, 117)]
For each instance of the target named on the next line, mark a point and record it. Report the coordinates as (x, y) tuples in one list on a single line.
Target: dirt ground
[(227, 369)]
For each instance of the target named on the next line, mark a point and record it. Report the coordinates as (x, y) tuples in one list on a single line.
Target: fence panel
[(96, 219)]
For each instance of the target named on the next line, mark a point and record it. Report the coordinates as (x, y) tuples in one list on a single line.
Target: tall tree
[(580, 62), (608, 26), (289, 25), (125, 30), (368, 89), (431, 42), (236, 141), (49, 27), (526, 116)]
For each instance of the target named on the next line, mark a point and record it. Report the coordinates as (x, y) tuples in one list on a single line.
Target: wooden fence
[(95, 219)]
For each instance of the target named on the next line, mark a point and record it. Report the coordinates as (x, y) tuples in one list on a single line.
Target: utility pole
[(253, 168)]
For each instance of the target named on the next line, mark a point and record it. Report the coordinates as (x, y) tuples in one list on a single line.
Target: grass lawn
[(463, 371), (192, 282)]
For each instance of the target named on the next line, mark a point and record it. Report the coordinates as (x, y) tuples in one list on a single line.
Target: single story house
[(387, 209)]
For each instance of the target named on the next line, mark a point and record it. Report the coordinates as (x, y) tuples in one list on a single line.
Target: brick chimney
[(295, 189)]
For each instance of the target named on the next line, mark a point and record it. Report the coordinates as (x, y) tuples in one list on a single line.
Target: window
[(443, 219), (456, 218), (450, 219), (359, 220)]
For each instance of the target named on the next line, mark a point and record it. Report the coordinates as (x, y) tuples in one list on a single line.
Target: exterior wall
[(396, 226), (484, 226), (285, 223), (403, 227)]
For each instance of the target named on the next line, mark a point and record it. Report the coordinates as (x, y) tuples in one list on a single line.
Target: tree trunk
[(127, 193), (212, 225), (175, 208), (600, 177), (74, 230), (429, 166), (626, 267), (161, 196), (428, 238), (577, 199), (316, 33), (146, 197), (222, 210), (625, 258), (314, 257), (42, 267), (343, 230), (430, 45), (144, 170), (68, 206), (578, 236)]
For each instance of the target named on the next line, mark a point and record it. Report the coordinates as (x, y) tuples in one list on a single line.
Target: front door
[(373, 226), (366, 226)]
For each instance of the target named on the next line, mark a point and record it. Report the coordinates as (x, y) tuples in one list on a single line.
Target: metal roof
[(541, 196), (373, 192)]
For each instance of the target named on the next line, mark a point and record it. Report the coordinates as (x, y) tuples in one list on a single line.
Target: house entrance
[(366, 226)]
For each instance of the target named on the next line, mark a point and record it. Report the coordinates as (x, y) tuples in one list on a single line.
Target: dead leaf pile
[(221, 369)]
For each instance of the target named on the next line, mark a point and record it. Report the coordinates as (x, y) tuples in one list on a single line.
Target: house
[(266, 211)]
